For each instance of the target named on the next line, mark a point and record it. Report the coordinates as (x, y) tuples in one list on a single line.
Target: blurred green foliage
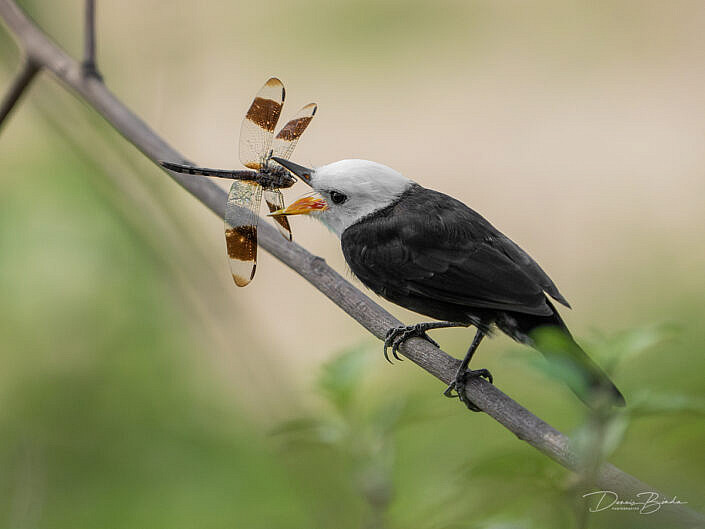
[(108, 417)]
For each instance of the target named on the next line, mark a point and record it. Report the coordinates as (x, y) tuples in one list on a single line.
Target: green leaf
[(647, 403), (341, 377), (630, 344), (311, 430)]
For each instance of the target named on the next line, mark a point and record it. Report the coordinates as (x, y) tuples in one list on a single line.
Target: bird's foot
[(398, 335), (458, 385)]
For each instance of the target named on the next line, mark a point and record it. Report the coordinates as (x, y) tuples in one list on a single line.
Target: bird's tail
[(589, 382)]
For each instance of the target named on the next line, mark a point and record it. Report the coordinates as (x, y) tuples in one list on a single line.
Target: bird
[(432, 254)]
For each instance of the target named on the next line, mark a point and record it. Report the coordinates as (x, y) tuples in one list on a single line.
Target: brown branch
[(89, 66), (510, 414), (21, 82)]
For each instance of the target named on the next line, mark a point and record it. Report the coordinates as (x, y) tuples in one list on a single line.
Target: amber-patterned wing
[(287, 138), (259, 123), (275, 201), (241, 216)]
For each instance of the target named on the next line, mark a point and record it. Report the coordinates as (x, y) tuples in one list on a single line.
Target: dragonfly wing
[(259, 123), (287, 138), (241, 217), (275, 201)]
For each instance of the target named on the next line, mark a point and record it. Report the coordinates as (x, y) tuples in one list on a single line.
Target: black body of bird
[(454, 265)]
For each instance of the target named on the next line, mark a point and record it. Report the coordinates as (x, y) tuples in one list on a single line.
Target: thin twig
[(375, 319), (89, 66), (21, 82)]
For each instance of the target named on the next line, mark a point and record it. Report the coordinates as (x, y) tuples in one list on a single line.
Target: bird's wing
[(433, 246), (529, 266)]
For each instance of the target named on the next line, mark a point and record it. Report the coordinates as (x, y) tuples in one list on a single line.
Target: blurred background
[(140, 388)]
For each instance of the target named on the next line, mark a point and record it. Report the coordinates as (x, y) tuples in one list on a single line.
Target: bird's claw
[(398, 335), (459, 385)]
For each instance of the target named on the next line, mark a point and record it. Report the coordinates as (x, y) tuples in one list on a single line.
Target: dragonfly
[(258, 145)]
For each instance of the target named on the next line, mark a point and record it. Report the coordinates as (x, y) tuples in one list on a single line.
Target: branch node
[(317, 263), (89, 70)]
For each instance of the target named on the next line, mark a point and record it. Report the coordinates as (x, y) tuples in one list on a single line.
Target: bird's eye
[(337, 197)]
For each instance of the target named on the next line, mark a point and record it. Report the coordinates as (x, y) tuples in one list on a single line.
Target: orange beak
[(303, 206)]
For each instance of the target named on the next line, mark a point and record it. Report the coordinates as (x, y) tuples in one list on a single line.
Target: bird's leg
[(397, 335), (463, 373)]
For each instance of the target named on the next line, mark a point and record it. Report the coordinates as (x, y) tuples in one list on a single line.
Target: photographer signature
[(646, 502)]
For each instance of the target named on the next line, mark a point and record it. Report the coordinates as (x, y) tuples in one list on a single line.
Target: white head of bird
[(348, 190)]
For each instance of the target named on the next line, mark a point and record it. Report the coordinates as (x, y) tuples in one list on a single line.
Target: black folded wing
[(430, 245)]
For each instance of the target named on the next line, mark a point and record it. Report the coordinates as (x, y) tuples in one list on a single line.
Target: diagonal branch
[(525, 425), (21, 82)]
